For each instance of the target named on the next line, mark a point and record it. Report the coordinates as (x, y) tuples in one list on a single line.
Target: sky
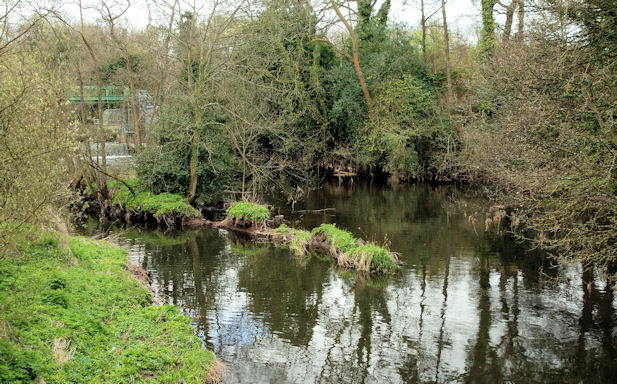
[(462, 14)]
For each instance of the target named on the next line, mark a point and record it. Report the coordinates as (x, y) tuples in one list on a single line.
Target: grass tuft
[(338, 238), (301, 242), (248, 212), (354, 253)]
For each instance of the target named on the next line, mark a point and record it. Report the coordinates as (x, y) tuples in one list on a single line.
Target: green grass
[(249, 212), (300, 239), (82, 318), (300, 243), (283, 229), (339, 238), (163, 204), (354, 253), (381, 260)]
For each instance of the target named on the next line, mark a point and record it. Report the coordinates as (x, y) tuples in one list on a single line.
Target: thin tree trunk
[(194, 161), (507, 29), (82, 111), (356, 56), (163, 75), (423, 24), (134, 106), (521, 19), (99, 91), (447, 41)]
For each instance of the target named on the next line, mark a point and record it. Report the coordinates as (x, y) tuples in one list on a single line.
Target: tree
[(447, 50), (487, 42), (354, 57), (546, 127), (424, 19), (34, 134)]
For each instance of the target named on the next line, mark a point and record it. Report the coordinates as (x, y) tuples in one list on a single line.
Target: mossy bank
[(70, 312), (137, 204)]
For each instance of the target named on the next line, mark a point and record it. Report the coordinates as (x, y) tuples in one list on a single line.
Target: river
[(469, 305)]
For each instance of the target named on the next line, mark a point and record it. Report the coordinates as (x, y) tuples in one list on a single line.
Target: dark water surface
[(468, 306)]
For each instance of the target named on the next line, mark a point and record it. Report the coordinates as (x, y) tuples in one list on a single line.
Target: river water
[(468, 306)]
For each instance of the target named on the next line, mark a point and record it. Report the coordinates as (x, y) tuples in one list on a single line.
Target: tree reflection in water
[(469, 306)]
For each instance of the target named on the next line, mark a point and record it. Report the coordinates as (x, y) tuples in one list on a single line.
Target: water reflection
[(469, 306)]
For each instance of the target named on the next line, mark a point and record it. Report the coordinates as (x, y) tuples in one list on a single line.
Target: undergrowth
[(80, 317)]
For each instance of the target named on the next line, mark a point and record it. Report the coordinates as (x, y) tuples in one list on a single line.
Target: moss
[(83, 318), (249, 212), (160, 205)]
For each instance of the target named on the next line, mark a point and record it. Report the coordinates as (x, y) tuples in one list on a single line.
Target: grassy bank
[(78, 316)]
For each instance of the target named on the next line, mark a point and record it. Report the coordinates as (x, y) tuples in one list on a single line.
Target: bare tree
[(447, 48)]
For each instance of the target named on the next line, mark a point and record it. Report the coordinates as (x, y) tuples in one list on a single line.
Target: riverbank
[(72, 312), (130, 202)]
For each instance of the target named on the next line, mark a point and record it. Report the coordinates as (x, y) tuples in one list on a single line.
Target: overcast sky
[(462, 14)]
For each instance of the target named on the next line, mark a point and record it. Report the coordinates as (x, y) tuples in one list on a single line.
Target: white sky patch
[(462, 15)]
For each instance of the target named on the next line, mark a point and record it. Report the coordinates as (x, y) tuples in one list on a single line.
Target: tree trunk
[(82, 112), (447, 41), (194, 162), (134, 106), (487, 35), (99, 91), (356, 56), (365, 92), (507, 29), (521, 19), (166, 54), (423, 24)]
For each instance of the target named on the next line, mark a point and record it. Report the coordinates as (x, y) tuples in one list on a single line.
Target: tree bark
[(447, 41), (134, 104), (194, 161), (423, 25), (507, 29), (521, 19)]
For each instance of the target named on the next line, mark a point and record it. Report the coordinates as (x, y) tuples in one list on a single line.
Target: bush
[(404, 136)]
